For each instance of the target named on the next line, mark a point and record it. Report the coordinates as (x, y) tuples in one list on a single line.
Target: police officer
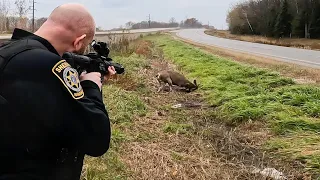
[(50, 117)]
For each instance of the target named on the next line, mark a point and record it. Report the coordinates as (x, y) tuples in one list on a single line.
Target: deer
[(175, 78)]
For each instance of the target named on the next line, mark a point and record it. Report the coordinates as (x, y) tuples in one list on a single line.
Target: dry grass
[(119, 44), (301, 74), (303, 43)]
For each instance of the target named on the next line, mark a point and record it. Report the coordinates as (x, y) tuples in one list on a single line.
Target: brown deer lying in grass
[(174, 78)]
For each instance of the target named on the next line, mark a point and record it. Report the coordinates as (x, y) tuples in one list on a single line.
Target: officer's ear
[(79, 42)]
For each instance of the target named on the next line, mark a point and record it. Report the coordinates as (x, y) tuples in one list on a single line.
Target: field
[(240, 121), (303, 43)]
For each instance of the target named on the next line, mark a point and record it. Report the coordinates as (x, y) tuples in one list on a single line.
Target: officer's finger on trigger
[(112, 70)]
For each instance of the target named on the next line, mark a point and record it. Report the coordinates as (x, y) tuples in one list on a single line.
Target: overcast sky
[(113, 13)]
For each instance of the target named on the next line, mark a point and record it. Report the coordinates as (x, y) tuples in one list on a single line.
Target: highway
[(303, 57)]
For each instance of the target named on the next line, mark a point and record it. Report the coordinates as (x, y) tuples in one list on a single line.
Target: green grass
[(300, 145), (107, 167), (176, 128), (124, 107), (243, 93)]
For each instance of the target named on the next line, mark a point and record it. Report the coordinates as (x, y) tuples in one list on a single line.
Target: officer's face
[(81, 50), (81, 44)]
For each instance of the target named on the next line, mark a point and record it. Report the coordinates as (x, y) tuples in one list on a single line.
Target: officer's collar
[(21, 34)]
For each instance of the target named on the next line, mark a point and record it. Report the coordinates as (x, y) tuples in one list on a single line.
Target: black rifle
[(97, 61)]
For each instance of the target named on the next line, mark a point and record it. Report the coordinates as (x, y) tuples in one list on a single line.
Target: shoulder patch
[(69, 77)]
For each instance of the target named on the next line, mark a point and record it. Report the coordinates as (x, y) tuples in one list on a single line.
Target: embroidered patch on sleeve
[(69, 77)]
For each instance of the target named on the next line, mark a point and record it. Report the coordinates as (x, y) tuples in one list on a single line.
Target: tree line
[(15, 14), (187, 23), (276, 18)]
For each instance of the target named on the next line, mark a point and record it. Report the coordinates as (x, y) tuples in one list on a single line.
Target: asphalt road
[(304, 57)]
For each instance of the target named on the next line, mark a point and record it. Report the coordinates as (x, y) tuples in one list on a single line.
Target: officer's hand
[(93, 76), (112, 72)]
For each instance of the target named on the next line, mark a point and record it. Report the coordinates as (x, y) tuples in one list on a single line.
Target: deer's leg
[(159, 81), (170, 83), (161, 86)]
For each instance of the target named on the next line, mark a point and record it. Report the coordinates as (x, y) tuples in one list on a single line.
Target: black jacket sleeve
[(96, 137), (50, 112), (90, 131)]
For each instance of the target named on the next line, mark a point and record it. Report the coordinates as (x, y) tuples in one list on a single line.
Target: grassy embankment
[(303, 43), (152, 140), (243, 93)]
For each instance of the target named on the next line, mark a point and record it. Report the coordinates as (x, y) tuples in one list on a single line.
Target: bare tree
[(192, 23), (21, 7), (22, 10), (4, 11), (12, 22), (172, 20), (129, 24)]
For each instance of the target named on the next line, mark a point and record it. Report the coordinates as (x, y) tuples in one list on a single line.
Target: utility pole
[(33, 19), (149, 21), (32, 15)]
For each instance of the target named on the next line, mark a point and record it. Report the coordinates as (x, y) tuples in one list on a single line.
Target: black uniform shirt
[(48, 109)]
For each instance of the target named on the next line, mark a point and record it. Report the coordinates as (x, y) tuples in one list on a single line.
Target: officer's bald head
[(70, 27), (73, 17)]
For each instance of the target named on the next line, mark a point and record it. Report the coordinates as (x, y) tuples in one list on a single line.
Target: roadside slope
[(153, 140), (244, 94), (239, 113)]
